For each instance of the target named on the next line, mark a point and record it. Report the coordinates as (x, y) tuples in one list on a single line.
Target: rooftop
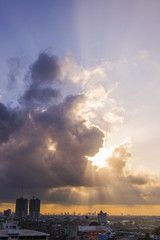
[(93, 228), (21, 232)]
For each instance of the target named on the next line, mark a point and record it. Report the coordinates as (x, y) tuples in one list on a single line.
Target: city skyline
[(79, 105)]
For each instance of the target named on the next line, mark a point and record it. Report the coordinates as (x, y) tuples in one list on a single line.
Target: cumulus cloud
[(45, 69), (119, 158), (10, 122), (36, 95), (47, 140), (43, 75)]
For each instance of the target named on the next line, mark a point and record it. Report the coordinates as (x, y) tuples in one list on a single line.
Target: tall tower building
[(21, 207), (102, 217), (34, 208)]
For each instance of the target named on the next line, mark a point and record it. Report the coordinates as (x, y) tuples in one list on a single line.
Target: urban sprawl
[(91, 226)]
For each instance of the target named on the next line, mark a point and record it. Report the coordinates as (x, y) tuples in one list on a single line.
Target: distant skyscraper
[(21, 207), (34, 208), (7, 213), (102, 217)]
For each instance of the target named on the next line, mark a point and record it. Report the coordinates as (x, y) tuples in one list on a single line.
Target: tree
[(156, 231)]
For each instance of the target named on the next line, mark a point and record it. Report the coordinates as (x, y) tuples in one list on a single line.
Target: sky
[(79, 105)]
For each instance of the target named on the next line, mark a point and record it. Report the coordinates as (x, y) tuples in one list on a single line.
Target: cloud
[(46, 142), (30, 148), (15, 64), (36, 95), (138, 179), (43, 75), (10, 121), (119, 158), (45, 69)]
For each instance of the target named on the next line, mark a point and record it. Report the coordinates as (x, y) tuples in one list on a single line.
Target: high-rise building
[(21, 207), (7, 213), (102, 217), (34, 208)]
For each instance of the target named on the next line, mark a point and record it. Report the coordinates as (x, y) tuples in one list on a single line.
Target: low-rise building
[(91, 232), (22, 234)]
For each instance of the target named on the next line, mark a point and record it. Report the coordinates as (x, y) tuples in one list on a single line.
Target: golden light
[(51, 145), (100, 158)]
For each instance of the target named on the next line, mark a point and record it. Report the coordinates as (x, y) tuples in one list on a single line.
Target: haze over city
[(79, 105)]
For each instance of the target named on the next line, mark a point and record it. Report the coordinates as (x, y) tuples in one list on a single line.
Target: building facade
[(92, 232), (34, 208), (102, 217), (21, 208), (7, 213), (22, 234)]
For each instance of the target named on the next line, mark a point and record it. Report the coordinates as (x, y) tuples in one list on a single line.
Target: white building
[(22, 234)]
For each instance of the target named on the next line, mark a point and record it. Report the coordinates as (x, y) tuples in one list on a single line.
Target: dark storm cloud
[(30, 149), (45, 149), (9, 122), (45, 69), (34, 95), (28, 157)]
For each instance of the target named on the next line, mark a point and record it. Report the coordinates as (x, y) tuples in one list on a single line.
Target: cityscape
[(22, 224), (79, 119)]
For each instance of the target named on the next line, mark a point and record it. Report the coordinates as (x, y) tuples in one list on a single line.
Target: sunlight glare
[(100, 158), (51, 145)]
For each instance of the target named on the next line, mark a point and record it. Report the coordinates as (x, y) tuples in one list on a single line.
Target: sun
[(100, 158)]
